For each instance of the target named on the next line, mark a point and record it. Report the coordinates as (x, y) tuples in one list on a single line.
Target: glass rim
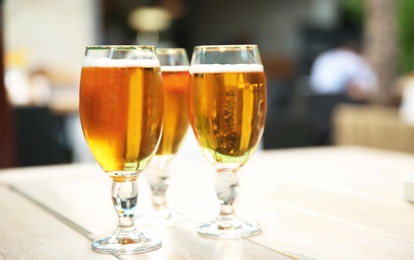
[(226, 46), (173, 49), (119, 47)]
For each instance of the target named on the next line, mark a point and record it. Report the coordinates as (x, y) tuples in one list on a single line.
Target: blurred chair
[(40, 137), (320, 109), (373, 126), (306, 121), (287, 134)]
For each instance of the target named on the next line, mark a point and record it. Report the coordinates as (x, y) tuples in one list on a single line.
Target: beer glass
[(227, 110), (121, 110), (174, 67)]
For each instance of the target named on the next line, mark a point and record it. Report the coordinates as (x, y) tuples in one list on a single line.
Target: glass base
[(228, 229), (125, 245), (163, 218)]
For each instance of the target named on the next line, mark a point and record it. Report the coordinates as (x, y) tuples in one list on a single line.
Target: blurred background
[(43, 42)]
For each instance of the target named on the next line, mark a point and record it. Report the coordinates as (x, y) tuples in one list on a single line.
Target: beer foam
[(220, 68), (111, 63), (175, 68)]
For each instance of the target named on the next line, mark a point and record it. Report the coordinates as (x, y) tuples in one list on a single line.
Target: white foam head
[(111, 63), (221, 68), (175, 68)]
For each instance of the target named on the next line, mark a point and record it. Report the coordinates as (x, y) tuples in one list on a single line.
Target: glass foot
[(228, 229), (126, 245), (161, 218)]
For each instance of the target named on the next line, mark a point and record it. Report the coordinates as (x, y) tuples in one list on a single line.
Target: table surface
[(311, 203)]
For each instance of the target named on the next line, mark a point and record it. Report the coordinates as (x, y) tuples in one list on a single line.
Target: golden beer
[(227, 110), (175, 80), (121, 111)]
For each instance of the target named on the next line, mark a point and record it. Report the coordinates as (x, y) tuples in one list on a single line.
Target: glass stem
[(227, 186), (125, 198), (158, 178)]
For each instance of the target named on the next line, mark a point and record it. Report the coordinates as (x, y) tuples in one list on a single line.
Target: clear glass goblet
[(174, 67), (227, 110), (121, 110)]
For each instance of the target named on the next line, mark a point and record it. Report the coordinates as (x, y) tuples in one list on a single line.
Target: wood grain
[(28, 232), (312, 203)]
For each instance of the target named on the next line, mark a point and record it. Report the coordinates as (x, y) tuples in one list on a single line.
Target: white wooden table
[(312, 203)]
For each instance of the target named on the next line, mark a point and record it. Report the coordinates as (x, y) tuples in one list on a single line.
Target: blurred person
[(15, 79), (343, 70)]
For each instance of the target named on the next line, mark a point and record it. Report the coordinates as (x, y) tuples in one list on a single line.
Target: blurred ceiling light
[(149, 19)]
